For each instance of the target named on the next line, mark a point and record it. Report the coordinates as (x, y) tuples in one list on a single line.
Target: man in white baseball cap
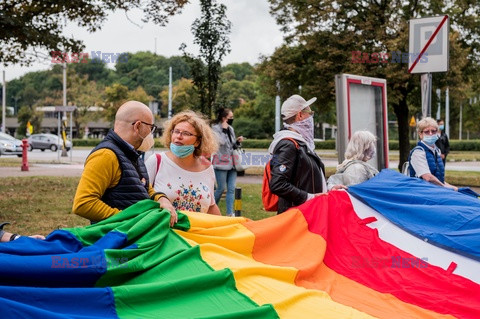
[(298, 174), (295, 104)]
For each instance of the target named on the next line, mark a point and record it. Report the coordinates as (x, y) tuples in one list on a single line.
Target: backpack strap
[(410, 168), (296, 158), (159, 160)]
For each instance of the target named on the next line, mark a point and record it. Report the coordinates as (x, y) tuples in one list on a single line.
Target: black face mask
[(230, 121)]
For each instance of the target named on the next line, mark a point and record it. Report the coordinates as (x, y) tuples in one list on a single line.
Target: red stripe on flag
[(356, 251)]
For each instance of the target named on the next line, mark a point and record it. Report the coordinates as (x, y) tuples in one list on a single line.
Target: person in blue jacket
[(425, 159)]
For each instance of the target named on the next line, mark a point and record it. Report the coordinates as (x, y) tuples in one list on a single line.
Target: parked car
[(9, 145), (46, 141)]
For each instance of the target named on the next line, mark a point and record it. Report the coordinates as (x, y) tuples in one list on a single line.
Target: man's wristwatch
[(2, 232), (14, 237)]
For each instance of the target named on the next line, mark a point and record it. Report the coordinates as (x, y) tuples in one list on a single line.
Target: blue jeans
[(226, 178)]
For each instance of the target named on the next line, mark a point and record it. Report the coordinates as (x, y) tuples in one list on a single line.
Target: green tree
[(211, 35), (233, 93), (150, 71), (240, 70), (95, 71), (26, 114), (86, 96), (184, 97), (115, 96), (33, 25), (322, 35)]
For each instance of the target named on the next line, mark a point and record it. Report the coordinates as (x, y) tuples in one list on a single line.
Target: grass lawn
[(39, 205)]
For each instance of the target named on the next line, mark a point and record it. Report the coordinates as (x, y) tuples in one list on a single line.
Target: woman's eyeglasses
[(182, 133), (430, 132), (153, 127)]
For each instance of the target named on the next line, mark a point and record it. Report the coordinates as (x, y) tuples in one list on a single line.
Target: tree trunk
[(401, 111)]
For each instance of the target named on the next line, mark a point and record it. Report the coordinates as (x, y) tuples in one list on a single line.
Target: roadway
[(77, 157)]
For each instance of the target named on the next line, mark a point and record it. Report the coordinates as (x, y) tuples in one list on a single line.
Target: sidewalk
[(75, 170), (66, 170)]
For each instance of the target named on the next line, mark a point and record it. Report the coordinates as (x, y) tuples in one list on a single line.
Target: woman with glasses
[(225, 171), (425, 159), (183, 173)]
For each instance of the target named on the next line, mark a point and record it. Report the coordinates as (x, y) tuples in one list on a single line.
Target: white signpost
[(428, 49)]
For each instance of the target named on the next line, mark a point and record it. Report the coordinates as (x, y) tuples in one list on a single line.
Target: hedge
[(455, 145)]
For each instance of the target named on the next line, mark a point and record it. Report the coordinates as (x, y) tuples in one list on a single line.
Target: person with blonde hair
[(425, 159), (355, 169), (183, 173)]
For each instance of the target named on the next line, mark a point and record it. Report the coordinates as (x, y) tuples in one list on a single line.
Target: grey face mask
[(305, 129)]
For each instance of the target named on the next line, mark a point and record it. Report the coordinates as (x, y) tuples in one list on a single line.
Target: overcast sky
[(254, 32)]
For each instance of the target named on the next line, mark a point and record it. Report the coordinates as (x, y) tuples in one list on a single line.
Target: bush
[(469, 145), (455, 145), (85, 142), (248, 127)]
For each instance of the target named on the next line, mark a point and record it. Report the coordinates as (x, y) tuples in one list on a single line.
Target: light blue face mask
[(181, 150), (430, 139), (441, 127)]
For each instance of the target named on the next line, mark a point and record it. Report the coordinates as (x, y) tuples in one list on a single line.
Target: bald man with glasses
[(115, 176)]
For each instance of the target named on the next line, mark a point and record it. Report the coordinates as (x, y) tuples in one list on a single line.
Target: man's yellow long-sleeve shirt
[(102, 171)]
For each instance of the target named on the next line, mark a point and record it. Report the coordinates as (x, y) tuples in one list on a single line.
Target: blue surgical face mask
[(181, 150), (430, 139), (441, 127)]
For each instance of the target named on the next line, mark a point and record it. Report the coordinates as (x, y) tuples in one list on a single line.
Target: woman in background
[(225, 172)]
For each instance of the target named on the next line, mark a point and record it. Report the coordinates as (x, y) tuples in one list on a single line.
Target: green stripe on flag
[(161, 275)]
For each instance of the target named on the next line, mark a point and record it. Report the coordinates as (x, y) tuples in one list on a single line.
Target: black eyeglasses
[(153, 127)]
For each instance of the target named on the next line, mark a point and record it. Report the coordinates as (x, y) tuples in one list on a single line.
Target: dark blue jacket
[(434, 160), (133, 184)]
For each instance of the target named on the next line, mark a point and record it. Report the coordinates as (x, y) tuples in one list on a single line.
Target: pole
[(58, 133), (426, 89), (460, 124), (71, 136), (64, 149), (169, 92), (237, 206), (439, 95), (4, 102), (447, 113), (277, 109)]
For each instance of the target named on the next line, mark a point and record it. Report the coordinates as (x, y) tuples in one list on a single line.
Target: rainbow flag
[(337, 256)]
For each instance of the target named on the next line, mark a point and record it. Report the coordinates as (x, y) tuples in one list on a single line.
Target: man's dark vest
[(434, 160), (133, 184)]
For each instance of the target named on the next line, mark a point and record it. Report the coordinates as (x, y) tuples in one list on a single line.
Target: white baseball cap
[(295, 104)]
